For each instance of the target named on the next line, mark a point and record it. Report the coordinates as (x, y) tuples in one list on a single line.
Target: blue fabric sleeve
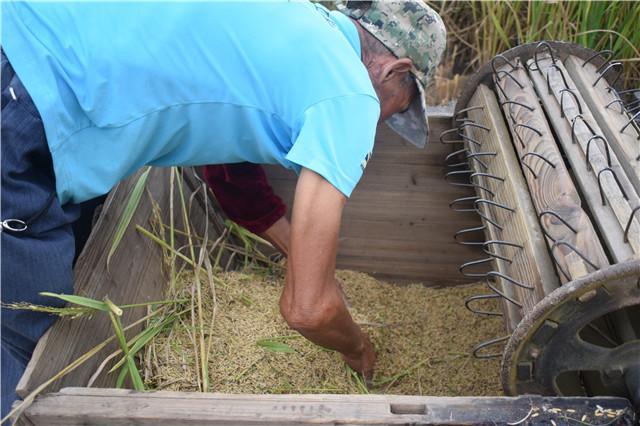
[(335, 139)]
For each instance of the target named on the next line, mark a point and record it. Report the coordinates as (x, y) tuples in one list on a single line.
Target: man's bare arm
[(312, 301)]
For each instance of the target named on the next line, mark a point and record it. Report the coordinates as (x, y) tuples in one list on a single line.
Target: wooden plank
[(77, 406), (609, 114), (603, 216), (530, 265), (400, 206), (620, 198), (135, 275), (549, 181)]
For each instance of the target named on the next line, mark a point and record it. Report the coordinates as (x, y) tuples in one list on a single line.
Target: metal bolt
[(587, 296), (614, 373), (534, 352)]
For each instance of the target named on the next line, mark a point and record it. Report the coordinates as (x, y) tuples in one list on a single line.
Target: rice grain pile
[(423, 337)]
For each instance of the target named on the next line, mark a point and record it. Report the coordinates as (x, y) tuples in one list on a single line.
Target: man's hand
[(312, 301), (363, 361)]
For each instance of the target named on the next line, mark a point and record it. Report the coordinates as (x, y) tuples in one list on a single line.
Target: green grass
[(486, 28)]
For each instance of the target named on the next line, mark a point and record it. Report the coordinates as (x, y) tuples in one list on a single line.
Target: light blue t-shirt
[(123, 85)]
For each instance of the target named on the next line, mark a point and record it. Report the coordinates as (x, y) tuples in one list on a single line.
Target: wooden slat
[(620, 200), (399, 211), (611, 117), (135, 275), (551, 187), (530, 265), (76, 406)]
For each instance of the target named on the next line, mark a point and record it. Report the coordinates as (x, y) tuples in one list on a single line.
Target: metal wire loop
[(485, 249), (449, 142), (616, 101), (452, 173), (564, 79), (633, 105), (523, 105), (535, 154), (489, 343), (489, 220), (471, 108), (469, 138), (455, 153), (628, 227), (515, 80), (469, 300), (509, 279), (473, 124), (575, 250), (504, 94), (573, 127), (606, 148), (493, 203), (503, 295), (602, 53), (462, 164), (479, 161), (490, 192), (526, 126), (513, 120), (607, 68), (468, 231), (474, 263), (557, 216), (474, 156), (537, 50), (506, 61), (481, 154), (462, 200), (575, 98), (624, 92), (608, 169), (489, 175), (635, 116)]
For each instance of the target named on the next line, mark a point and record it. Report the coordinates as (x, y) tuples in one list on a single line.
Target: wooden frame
[(82, 406), (136, 272), (397, 224)]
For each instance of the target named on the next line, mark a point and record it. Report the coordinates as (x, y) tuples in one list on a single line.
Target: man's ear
[(396, 66)]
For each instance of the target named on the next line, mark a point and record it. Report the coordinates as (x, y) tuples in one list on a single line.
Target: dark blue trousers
[(39, 258)]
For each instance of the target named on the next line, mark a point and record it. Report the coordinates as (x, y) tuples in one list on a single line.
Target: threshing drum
[(549, 147)]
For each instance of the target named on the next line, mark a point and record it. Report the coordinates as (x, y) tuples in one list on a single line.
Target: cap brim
[(412, 124)]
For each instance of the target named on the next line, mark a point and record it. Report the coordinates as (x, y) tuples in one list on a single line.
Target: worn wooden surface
[(550, 183), (397, 223), (76, 406), (611, 117), (135, 274), (611, 200), (531, 264)]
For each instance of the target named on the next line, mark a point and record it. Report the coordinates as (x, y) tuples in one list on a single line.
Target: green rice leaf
[(127, 214), (274, 346), (113, 308), (138, 342), (79, 300), (121, 376)]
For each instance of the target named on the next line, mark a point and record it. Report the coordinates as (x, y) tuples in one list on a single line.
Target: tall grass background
[(478, 30)]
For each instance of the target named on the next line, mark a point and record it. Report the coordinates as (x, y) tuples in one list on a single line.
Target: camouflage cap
[(408, 29)]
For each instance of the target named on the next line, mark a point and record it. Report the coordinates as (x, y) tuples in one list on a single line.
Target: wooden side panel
[(76, 406), (135, 275), (397, 223)]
